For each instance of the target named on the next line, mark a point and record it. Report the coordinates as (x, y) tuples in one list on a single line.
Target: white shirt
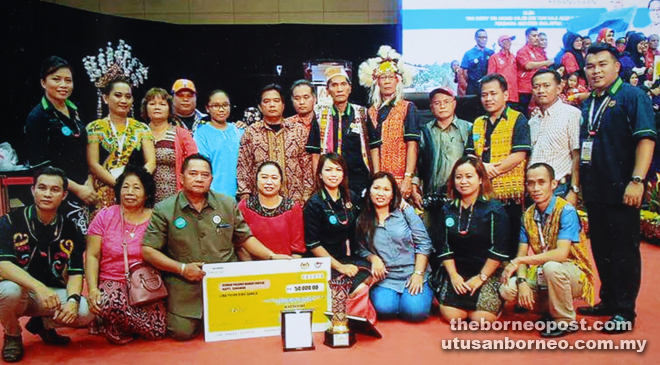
[(555, 134)]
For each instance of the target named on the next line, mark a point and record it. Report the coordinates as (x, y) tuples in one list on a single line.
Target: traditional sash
[(578, 254), (393, 149), (326, 121), (510, 185)]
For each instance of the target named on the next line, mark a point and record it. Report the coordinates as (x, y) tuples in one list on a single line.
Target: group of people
[(637, 57), (342, 181)]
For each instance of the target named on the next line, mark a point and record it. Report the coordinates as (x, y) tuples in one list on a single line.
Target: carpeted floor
[(402, 343)]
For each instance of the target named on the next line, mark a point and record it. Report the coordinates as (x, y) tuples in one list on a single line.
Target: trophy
[(339, 335)]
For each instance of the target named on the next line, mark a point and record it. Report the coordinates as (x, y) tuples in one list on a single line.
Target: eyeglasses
[(219, 106)]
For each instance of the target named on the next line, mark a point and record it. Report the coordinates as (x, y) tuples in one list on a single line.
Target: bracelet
[(419, 272), (408, 174), (74, 297), (183, 268)]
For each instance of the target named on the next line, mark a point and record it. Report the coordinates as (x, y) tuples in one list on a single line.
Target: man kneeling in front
[(193, 227), (559, 267), (41, 268)]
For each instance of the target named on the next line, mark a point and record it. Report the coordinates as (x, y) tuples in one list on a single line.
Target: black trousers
[(615, 234), (515, 213)]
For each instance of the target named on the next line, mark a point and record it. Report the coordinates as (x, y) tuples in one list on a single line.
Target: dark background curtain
[(239, 59)]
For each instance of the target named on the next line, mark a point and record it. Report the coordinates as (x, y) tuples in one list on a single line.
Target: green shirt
[(448, 145), (185, 235)]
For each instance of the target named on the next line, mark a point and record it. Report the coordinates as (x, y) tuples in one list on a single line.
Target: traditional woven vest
[(359, 117), (577, 255), (393, 149), (510, 185)]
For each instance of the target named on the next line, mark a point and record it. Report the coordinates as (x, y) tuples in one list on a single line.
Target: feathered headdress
[(388, 60), (112, 64)]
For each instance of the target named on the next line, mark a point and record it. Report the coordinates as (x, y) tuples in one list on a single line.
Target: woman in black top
[(55, 133), (330, 216), (471, 244)]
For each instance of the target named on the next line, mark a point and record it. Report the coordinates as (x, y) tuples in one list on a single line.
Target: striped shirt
[(555, 134)]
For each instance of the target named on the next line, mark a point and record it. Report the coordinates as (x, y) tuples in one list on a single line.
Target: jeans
[(391, 304)]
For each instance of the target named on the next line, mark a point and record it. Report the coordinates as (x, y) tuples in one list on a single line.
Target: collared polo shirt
[(525, 55), (555, 134), (475, 61), (504, 63), (569, 223), (627, 119), (185, 235)]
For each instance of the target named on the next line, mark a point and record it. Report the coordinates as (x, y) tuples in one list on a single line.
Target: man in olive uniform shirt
[(194, 227)]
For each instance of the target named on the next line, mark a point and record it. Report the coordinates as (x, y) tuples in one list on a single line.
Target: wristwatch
[(483, 276), (575, 189), (637, 179), (419, 272), (74, 297), (520, 280)]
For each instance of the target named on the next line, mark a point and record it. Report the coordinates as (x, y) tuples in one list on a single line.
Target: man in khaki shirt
[(194, 227)]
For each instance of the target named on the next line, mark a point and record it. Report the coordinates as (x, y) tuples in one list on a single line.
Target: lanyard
[(543, 246), (595, 121), (120, 141)]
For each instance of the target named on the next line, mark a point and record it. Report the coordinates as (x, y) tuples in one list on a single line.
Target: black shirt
[(330, 224), (487, 235), (44, 251), (627, 118), (51, 135), (351, 148)]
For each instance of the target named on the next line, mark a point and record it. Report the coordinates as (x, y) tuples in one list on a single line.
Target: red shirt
[(280, 230), (504, 63), (525, 55)]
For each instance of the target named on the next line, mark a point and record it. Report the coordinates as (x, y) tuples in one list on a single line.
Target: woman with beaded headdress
[(55, 135), (116, 140), (394, 128)]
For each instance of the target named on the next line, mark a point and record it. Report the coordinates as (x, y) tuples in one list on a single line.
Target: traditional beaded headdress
[(112, 64), (388, 61)]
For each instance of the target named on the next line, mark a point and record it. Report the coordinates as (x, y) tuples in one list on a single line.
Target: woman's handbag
[(145, 285)]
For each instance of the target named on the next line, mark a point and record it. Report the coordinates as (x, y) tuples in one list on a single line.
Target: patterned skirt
[(124, 323), (486, 298)]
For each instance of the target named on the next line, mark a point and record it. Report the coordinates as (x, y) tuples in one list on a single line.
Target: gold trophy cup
[(339, 335)]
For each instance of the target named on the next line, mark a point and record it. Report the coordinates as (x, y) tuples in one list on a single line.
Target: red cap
[(442, 90), (503, 37)]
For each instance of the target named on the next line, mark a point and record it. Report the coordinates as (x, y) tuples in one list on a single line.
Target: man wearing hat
[(441, 145), (342, 128), (475, 62), (504, 63), (184, 99), (393, 122)]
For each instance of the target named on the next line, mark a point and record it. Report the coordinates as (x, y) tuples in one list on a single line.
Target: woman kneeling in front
[(396, 243), (112, 228), (470, 241)]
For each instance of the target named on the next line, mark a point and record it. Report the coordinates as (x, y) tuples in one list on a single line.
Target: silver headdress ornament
[(112, 64), (388, 60)]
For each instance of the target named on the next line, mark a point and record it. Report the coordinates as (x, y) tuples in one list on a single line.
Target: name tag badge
[(586, 151)]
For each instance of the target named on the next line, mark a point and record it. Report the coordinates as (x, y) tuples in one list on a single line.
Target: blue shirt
[(396, 242), (221, 146), (569, 223), (475, 61)]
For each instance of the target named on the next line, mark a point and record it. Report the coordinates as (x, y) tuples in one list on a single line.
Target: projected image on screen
[(438, 33)]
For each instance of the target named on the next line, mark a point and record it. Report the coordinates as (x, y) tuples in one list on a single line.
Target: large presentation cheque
[(245, 299)]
